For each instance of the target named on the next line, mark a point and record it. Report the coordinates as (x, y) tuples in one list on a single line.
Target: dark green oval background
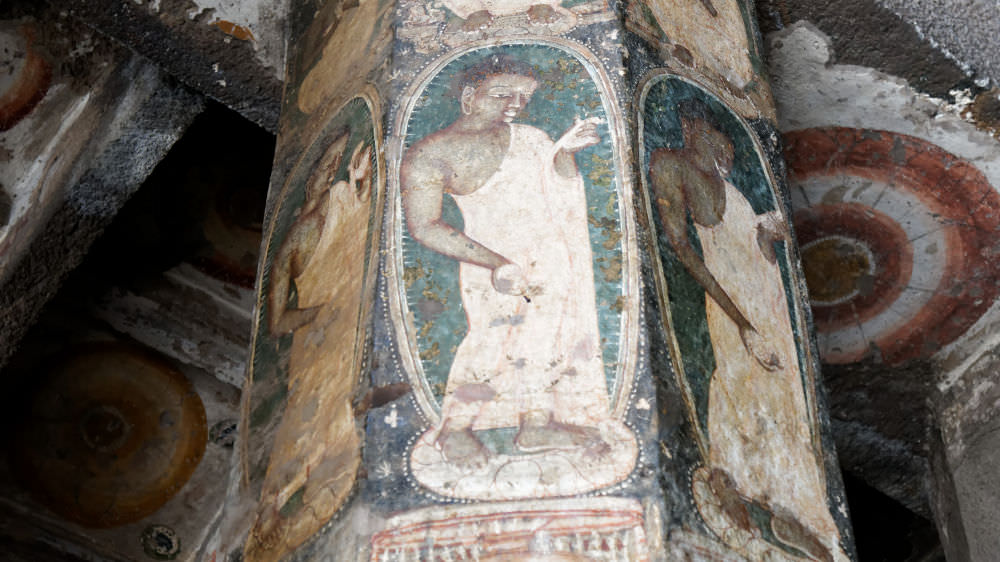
[(566, 90), (662, 129)]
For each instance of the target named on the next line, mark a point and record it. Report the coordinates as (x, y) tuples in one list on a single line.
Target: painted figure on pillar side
[(512, 291), (315, 294), (755, 414), (531, 359)]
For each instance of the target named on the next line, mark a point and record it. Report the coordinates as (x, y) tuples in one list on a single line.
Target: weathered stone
[(965, 31), (866, 33), (238, 62), (195, 315), (70, 162)]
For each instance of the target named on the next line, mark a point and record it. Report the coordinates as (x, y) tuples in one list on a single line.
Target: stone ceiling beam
[(238, 61)]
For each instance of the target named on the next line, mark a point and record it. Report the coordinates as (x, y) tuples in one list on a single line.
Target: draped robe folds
[(758, 420), (317, 439), (543, 355)]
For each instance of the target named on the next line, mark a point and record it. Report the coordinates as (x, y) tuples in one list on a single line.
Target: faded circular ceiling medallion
[(898, 242), (109, 436), (837, 269), (25, 75)]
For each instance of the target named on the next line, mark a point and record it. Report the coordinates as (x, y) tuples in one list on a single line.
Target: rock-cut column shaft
[(528, 293)]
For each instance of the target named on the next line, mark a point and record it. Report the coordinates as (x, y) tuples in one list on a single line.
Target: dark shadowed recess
[(885, 531), (219, 168)]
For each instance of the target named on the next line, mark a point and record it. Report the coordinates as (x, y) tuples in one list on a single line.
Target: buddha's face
[(499, 98)]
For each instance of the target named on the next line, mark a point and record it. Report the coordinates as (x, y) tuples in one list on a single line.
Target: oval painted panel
[(514, 285), (315, 294), (736, 327)]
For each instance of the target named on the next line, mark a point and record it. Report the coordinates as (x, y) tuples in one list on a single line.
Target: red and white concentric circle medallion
[(898, 239)]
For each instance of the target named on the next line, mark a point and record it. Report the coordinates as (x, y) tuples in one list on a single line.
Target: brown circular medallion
[(110, 435), (24, 74)]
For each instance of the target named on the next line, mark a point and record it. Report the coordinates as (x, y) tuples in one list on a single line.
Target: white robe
[(542, 355), (758, 421)]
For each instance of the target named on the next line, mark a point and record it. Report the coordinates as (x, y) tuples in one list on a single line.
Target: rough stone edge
[(200, 56), (140, 126)]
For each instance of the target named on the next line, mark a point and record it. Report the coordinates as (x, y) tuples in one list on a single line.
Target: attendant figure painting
[(753, 409), (530, 364), (316, 286)]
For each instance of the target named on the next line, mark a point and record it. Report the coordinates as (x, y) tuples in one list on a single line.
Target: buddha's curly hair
[(493, 65)]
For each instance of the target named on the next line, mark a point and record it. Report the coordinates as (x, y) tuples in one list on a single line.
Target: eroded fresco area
[(314, 303), (731, 61)]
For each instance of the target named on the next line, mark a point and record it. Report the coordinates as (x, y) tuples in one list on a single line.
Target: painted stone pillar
[(528, 293)]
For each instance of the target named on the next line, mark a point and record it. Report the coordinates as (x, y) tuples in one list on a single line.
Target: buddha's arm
[(287, 264), (666, 176), (423, 184)]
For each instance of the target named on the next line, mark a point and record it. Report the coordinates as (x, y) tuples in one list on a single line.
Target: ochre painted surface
[(348, 40), (315, 297), (715, 40)]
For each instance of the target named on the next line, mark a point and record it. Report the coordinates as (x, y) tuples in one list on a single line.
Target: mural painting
[(432, 26), (509, 409), (514, 282), (512, 290), (896, 242), (726, 290), (716, 38), (315, 296)]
